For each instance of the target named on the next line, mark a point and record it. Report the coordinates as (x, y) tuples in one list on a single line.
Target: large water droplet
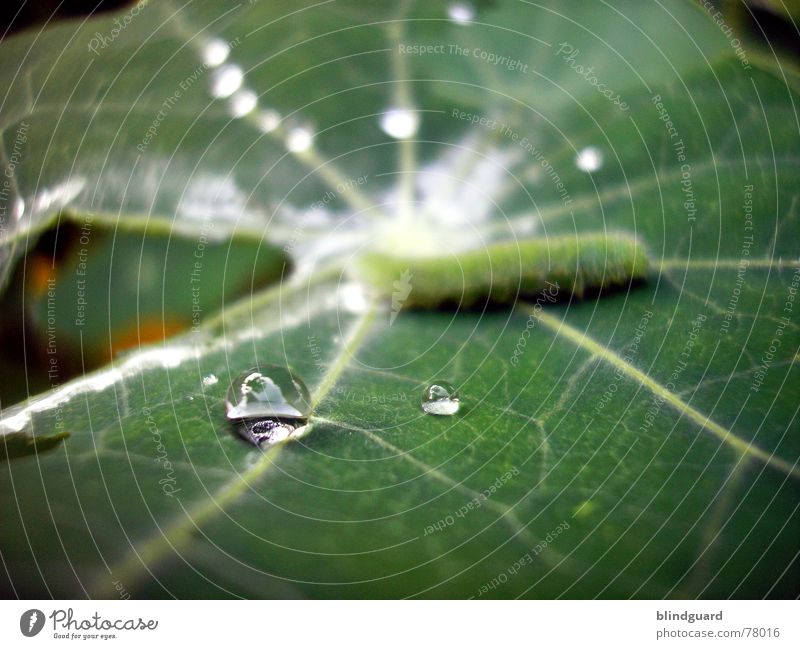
[(272, 391), (226, 80), (400, 123), (299, 139), (589, 159), (461, 13), (215, 52), (440, 398)]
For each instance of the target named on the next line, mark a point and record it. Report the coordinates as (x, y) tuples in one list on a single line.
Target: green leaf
[(641, 443)]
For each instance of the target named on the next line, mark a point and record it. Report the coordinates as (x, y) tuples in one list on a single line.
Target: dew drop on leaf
[(215, 52), (243, 102), (226, 80), (589, 159), (440, 398), (461, 13), (400, 123), (268, 120), (271, 391), (299, 139)]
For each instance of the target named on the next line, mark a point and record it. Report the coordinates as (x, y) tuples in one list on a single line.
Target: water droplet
[(461, 13), (400, 123), (210, 380), (268, 120), (215, 52), (226, 80), (440, 398), (272, 391), (589, 159), (242, 102), (299, 139)]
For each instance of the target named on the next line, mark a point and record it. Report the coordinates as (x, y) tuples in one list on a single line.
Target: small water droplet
[(589, 159), (268, 120), (299, 139), (210, 380), (226, 80), (461, 13), (216, 52), (440, 398), (272, 391), (400, 123), (242, 102)]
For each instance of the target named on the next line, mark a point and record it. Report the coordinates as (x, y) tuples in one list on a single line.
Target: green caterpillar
[(502, 271)]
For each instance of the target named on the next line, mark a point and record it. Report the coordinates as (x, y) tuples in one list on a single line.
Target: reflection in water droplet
[(440, 398), (265, 432), (268, 120), (226, 80), (19, 208), (242, 102), (461, 13), (215, 52), (268, 392), (400, 123), (589, 159), (58, 195), (299, 139), (210, 380)]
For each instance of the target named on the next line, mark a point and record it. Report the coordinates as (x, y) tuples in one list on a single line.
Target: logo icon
[(31, 622), (402, 289)]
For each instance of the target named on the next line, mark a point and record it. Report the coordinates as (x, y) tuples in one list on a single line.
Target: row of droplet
[(227, 83), (398, 122), (267, 405)]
